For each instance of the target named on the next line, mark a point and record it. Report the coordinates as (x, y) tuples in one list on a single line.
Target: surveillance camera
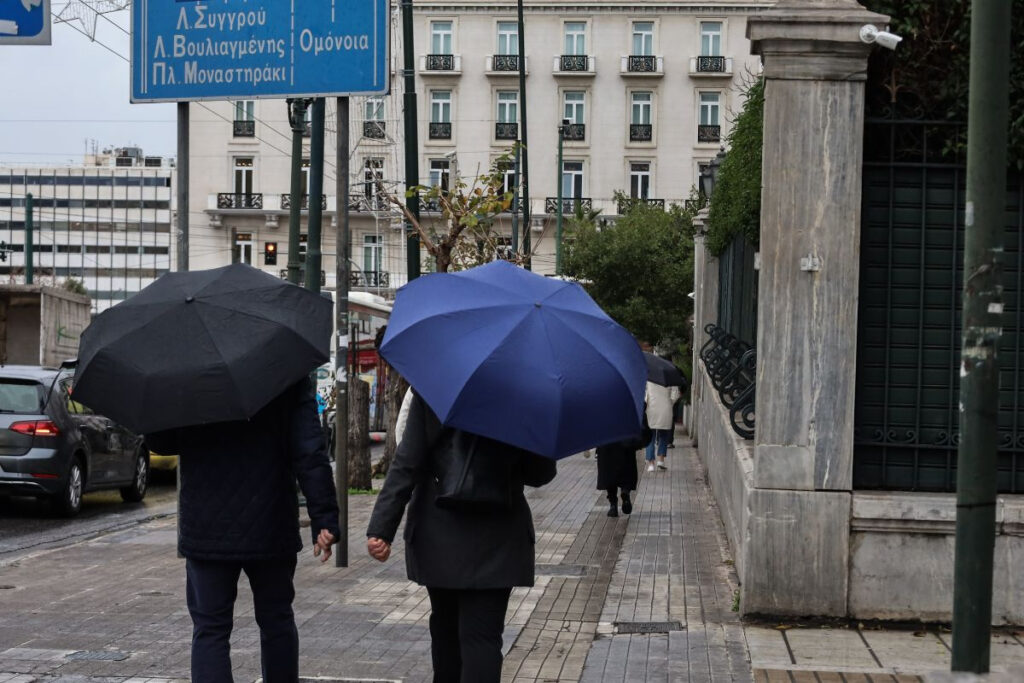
[(870, 34)]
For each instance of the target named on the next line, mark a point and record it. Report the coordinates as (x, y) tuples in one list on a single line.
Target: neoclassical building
[(646, 91)]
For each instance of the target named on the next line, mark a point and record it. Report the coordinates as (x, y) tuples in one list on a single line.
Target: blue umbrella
[(517, 357)]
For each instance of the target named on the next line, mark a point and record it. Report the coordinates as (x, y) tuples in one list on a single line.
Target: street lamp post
[(558, 229)]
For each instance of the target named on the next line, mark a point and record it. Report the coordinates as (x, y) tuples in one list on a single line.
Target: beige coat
[(659, 405)]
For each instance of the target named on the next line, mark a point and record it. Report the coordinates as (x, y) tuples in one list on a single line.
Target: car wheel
[(137, 490), (69, 501)]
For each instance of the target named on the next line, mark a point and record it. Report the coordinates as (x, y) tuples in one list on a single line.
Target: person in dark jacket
[(616, 469), (238, 512), (469, 560)]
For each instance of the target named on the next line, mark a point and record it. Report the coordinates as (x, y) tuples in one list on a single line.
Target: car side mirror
[(69, 364)]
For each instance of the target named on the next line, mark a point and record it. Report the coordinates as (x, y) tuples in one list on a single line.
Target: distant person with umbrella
[(510, 372), (660, 395), (616, 470), (213, 365)]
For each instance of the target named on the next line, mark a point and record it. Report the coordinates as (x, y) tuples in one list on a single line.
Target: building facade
[(105, 223), (643, 93)]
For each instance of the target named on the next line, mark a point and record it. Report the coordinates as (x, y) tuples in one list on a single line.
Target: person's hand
[(324, 541), (379, 549)]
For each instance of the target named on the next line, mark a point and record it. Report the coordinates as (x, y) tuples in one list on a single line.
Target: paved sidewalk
[(647, 597)]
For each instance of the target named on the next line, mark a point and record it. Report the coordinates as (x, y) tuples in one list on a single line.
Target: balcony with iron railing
[(239, 200), (624, 206), (369, 278), (286, 201), (362, 202), (506, 131), (641, 132), (505, 65), (569, 204), (574, 65), (709, 133), (440, 64), (575, 132), (243, 129), (708, 66), (642, 65), (374, 129), (439, 130)]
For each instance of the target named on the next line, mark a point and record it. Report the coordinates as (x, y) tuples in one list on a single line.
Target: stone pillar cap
[(813, 39)]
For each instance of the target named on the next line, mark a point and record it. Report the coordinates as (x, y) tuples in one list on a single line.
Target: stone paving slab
[(674, 566)]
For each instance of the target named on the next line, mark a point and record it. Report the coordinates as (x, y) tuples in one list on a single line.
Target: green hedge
[(735, 207)]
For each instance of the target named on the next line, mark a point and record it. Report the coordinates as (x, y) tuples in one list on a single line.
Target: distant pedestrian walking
[(468, 538), (659, 417), (616, 470), (239, 513)]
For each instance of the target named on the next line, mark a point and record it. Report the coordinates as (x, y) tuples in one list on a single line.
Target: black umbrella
[(663, 372), (201, 346)]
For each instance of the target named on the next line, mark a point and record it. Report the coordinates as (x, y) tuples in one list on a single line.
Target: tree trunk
[(359, 435), (394, 391)]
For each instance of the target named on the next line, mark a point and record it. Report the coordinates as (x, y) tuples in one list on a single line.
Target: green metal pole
[(412, 173), (296, 116), (558, 229), (515, 204), (314, 252), (982, 326), (525, 146), (29, 258)]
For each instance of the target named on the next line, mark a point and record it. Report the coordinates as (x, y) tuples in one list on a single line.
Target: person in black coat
[(616, 469), (469, 559), (238, 512)]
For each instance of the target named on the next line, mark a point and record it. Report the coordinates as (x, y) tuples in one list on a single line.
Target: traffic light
[(270, 253)]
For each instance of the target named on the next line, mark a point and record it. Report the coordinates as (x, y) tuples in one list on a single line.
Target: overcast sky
[(55, 97)]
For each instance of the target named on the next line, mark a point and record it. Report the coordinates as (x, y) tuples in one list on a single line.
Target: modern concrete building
[(647, 91), (105, 223)]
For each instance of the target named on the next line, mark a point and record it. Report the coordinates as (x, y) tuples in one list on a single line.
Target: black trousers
[(211, 588), (465, 634)]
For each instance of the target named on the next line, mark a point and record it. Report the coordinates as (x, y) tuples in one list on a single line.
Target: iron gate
[(908, 337)]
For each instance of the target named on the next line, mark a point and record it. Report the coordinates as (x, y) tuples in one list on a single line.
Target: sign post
[(24, 22), (236, 49)]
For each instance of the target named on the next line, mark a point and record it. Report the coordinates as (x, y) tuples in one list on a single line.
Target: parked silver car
[(55, 448)]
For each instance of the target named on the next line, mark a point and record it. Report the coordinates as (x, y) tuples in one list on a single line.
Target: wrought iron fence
[(234, 200), (642, 63), (573, 62), (731, 365), (440, 131), (506, 131), (906, 427), (641, 132), (706, 64), (505, 63), (737, 289), (569, 204), (440, 62)]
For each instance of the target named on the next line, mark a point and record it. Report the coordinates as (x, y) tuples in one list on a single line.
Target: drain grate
[(570, 570), (647, 626), (98, 656)]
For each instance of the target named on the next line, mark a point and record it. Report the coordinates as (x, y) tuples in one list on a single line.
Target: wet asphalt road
[(27, 525)]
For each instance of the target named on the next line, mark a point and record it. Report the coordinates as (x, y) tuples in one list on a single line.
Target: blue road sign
[(229, 49), (24, 22)]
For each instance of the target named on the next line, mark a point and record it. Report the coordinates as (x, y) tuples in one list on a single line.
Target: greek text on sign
[(229, 49)]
